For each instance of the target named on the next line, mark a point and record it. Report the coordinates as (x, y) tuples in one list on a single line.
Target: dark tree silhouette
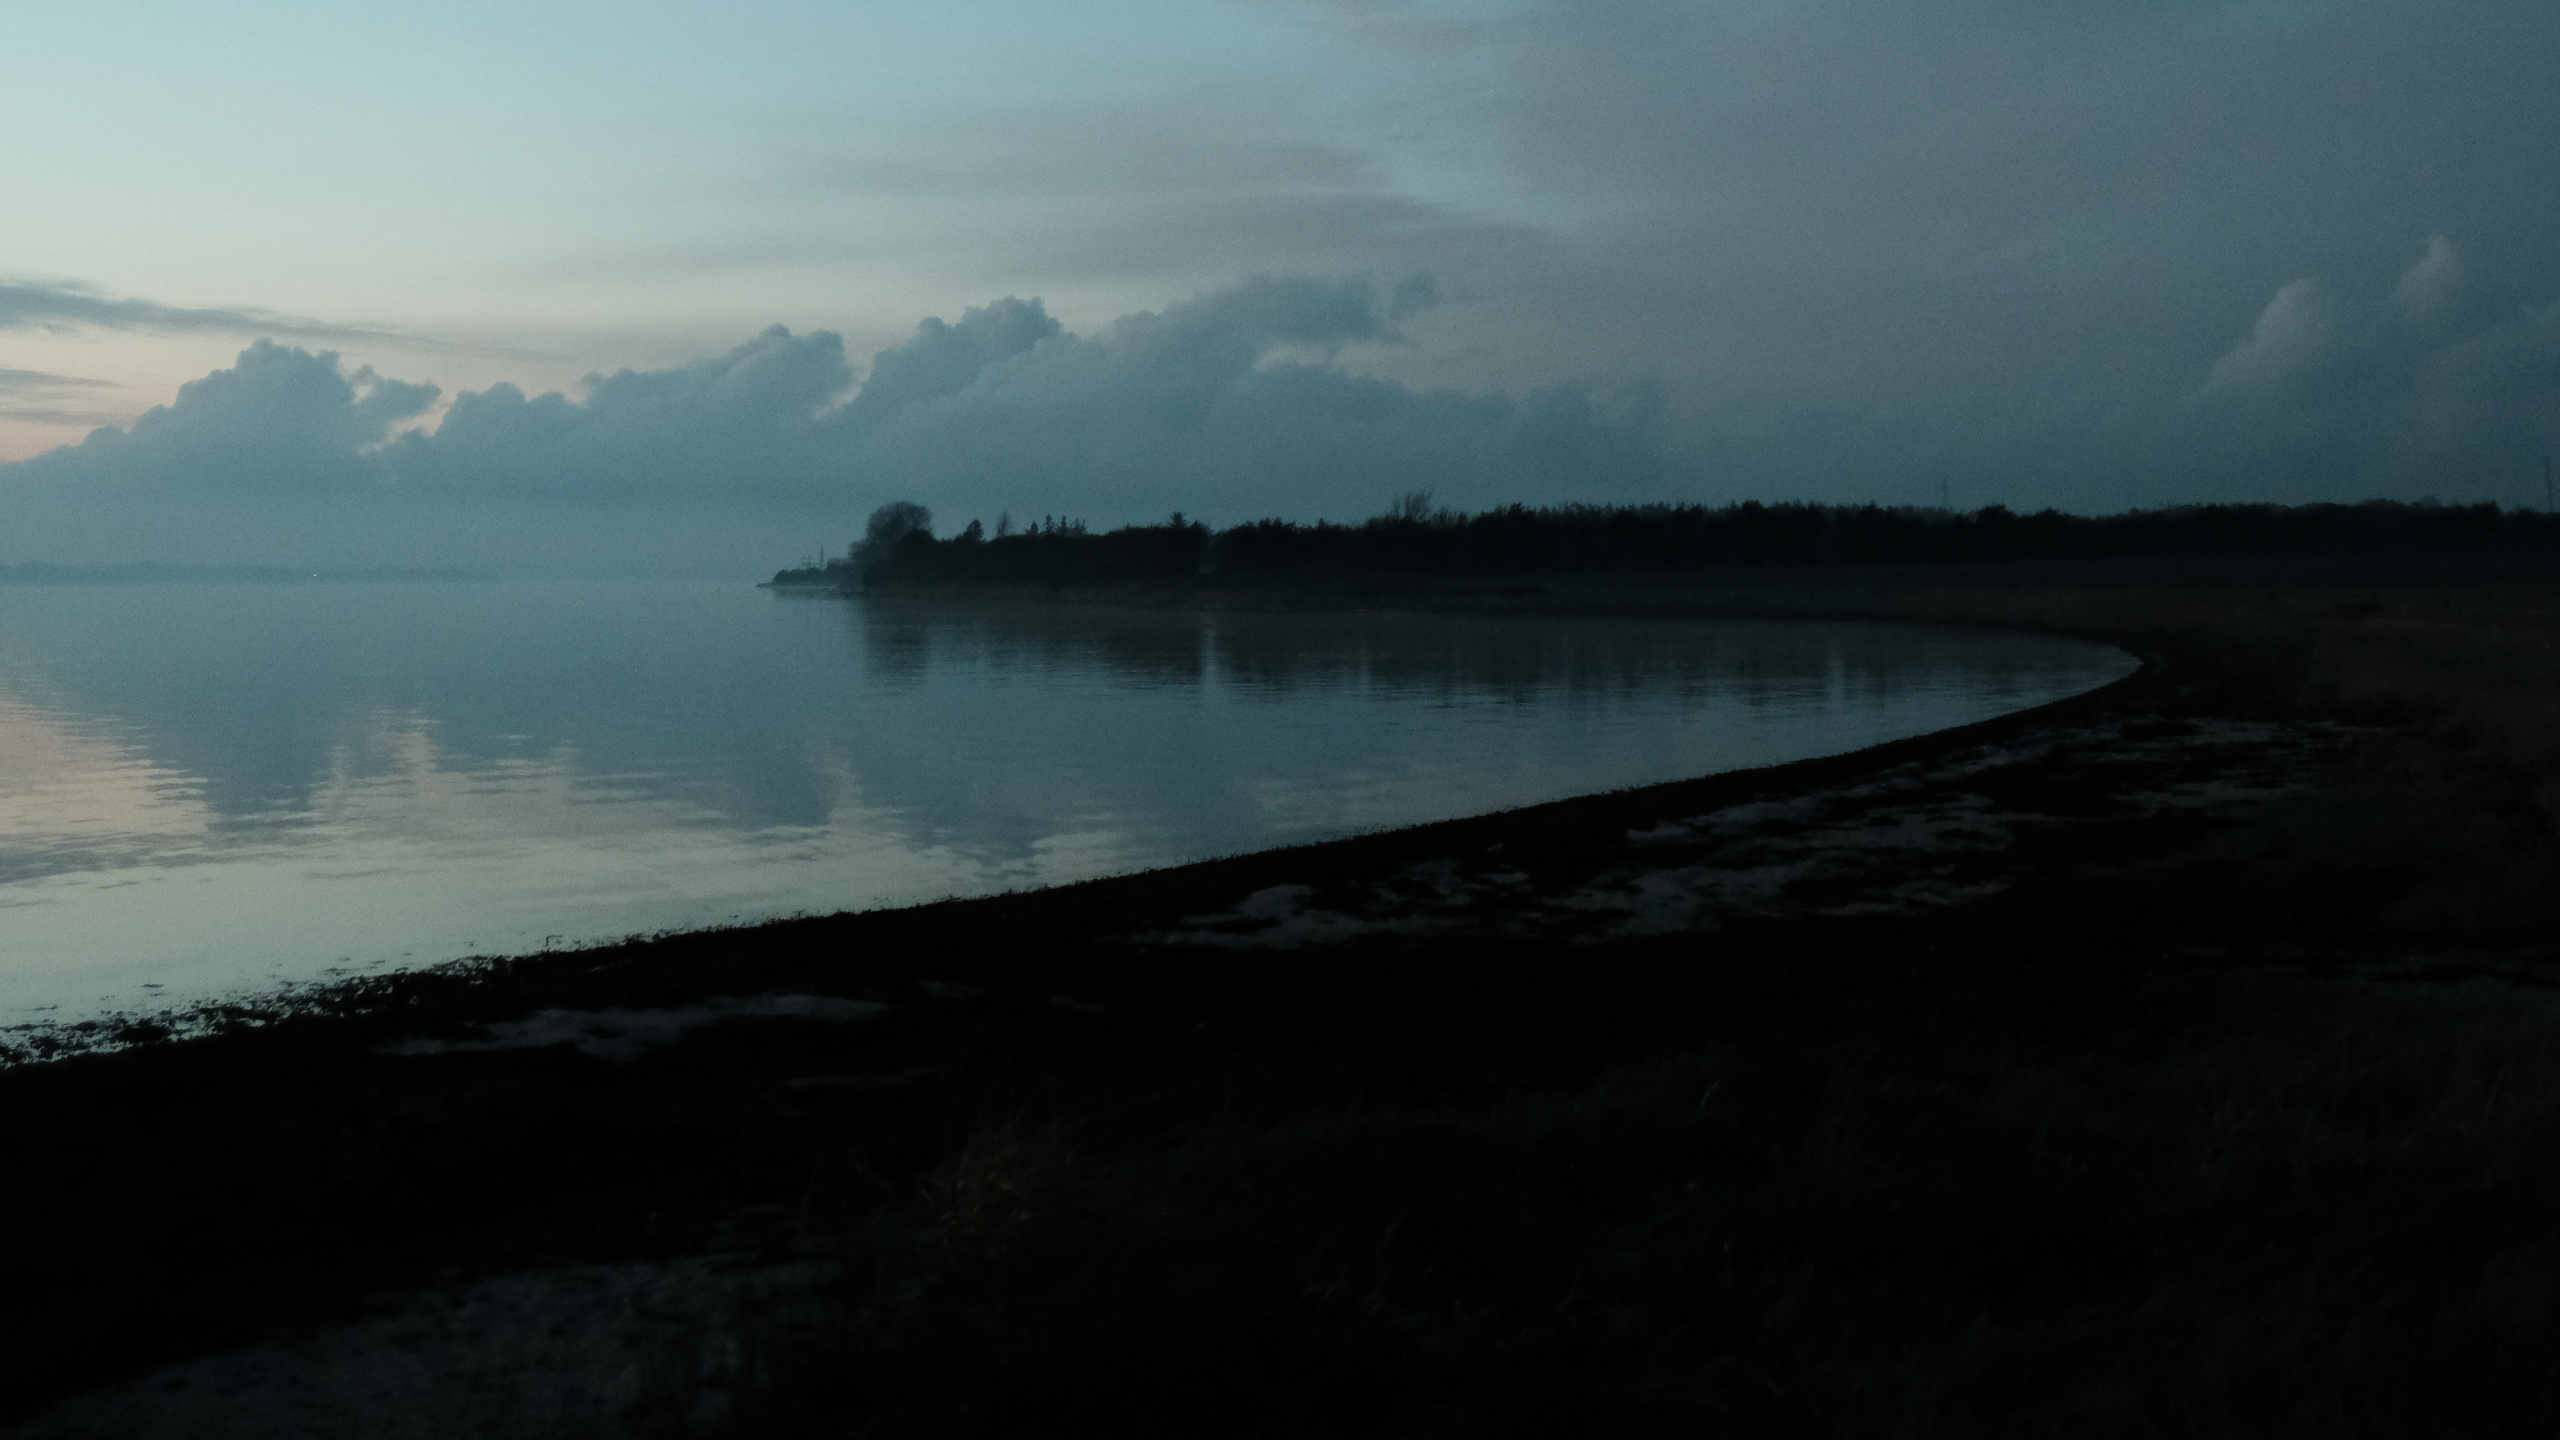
[(1415, 541), (882, 533)]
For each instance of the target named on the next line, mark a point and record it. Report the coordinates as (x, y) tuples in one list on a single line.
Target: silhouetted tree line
[(1414, 540)]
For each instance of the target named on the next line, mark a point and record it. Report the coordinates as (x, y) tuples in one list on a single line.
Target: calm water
[(206, 788)]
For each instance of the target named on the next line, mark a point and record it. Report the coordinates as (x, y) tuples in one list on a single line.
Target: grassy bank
[(2230, 1121), (2219, 1210)]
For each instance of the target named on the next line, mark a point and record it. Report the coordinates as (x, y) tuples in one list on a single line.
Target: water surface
[(206, 788)]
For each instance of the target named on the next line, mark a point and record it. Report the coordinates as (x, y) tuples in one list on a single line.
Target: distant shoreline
[(1414, 550), (143, 573)]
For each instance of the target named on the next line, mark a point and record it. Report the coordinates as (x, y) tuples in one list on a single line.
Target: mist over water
[(210, 788)]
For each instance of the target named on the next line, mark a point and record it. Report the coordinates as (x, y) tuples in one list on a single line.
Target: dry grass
[(1001, 1193), (2479, 673), (2276, 1216), (2460, 781), (2477, 669)]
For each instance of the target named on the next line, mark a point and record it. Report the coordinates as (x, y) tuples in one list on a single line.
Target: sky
[(581, 285)]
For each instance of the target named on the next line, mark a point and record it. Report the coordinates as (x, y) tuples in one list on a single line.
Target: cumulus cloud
[(2430, 289), (944, 359), (1229, 406), (282, 419), (1226, 404), (741, 426), (2295, 333), (2439, 385)]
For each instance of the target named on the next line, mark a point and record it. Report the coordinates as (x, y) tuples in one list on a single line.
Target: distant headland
[(1416, 543)]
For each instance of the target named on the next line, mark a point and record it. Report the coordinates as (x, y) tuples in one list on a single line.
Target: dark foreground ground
[(2178, 1059)]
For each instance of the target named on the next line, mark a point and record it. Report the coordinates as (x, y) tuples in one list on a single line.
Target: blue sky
[(2095, 255)]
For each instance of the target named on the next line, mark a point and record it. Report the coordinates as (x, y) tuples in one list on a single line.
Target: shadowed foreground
[(2176, 1059)]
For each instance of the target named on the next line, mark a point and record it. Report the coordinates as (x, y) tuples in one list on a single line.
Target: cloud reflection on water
[(214, 786)]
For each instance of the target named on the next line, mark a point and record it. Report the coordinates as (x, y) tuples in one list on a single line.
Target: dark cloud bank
[(1229, 406)]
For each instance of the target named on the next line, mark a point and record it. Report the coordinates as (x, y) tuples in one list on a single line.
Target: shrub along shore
[(2203, 1079)]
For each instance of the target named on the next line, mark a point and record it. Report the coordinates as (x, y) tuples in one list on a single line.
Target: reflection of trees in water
[(984, 727), (1506, 658), (896, 648), (994, 725), (902, 637)]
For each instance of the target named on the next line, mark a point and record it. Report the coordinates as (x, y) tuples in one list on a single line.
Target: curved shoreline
[(1987, 887), (102, 1028)]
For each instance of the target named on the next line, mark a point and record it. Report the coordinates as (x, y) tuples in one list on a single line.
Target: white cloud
[(282, 419), (2292, 336), (2439, 386), (742, 426), (1232, 405), (2430, 288)]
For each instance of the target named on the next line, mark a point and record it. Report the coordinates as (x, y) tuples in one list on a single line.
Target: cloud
[(1231, 405), (49, 399), (1858, 245), (42, 380), (2438, 385), (1123, 150), (1392, 25), (59, 306), (281, 420), (62, 307), (945, 359), (2294, 334), (1094, 198), (2432, 288), (738, 427), (1964, 214)]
